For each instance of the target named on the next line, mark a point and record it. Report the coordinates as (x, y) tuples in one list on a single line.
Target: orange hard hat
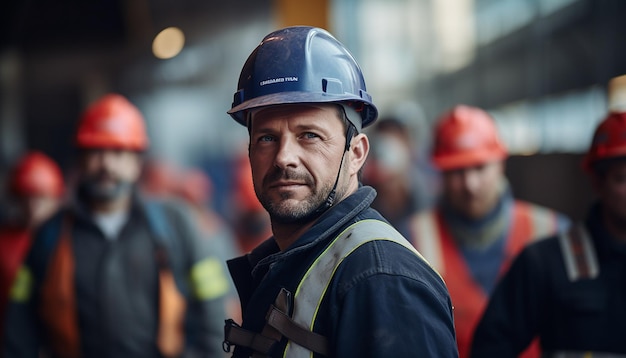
[(35, 173), (112, 122), (609, 140), (466, 136)]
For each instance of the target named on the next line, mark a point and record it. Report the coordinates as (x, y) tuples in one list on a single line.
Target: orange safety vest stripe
[(468, 298), (58, 306)]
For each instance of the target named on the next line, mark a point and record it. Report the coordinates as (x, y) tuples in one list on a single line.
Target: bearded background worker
[(335, 280), (570, 290), (477, 227), (107, 276)]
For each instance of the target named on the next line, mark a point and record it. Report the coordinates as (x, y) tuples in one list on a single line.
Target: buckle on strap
[(295, 332), (237, 336)]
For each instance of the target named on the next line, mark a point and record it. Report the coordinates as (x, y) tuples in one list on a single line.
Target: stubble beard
[(96, 190), (286, 211)]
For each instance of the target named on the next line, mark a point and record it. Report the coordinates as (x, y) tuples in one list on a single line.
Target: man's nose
[(287, 153)]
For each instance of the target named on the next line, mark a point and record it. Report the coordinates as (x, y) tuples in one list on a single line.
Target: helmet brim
[(239, 112)]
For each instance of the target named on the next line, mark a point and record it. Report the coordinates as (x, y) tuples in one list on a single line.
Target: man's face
[(611, 189), (108, 174), (473, 191), (295, 154)]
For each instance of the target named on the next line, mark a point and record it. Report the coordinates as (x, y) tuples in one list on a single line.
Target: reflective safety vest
[(432, 238), (58, 306), (298, 329)]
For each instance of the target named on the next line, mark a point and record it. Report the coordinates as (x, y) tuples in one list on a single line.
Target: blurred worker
[(112, 275), (195, 187), (570, 290), (250, 221), (392, 170), (35, 191), (335, 280), (477, 228)]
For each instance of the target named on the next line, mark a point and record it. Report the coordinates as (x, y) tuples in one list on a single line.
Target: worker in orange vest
[(35, 190), (115, 274), (477, 227)]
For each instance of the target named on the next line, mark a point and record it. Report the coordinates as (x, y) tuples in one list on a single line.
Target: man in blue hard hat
[(335, 279)]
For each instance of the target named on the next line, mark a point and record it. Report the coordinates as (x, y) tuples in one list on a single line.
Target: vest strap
[(235, 335), (296, 333)]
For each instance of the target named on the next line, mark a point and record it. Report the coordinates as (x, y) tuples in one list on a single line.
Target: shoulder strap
[(170, 251), (579, 254), (44, 244), (158, 221), (172, 304)]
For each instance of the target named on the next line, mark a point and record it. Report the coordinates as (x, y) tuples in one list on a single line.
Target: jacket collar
[(338, 216)]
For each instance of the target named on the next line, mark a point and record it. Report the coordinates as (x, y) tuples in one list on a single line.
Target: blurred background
[(540, 67)]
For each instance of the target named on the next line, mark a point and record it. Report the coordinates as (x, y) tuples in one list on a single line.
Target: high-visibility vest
[(58, 306), (309, 293), (433, 239)]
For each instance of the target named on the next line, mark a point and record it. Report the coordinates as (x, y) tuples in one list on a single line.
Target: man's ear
[(359, 148)]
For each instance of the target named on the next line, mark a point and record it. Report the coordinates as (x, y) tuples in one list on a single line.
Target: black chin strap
[(330, 200)]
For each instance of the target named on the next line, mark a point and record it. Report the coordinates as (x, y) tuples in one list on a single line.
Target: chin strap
[(330, 200)]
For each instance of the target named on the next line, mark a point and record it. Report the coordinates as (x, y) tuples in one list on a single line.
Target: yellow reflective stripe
[(208, 280), (22, 287)]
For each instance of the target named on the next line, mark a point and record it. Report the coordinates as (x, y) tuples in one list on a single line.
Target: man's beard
[(306, 210), (94, 188)]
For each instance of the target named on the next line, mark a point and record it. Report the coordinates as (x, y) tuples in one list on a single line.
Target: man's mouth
[(286, 184)]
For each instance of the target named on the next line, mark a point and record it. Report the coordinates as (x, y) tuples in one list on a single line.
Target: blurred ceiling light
[(168, 43)]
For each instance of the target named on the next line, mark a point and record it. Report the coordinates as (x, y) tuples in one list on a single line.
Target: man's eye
[(266, 138), (310, 135)]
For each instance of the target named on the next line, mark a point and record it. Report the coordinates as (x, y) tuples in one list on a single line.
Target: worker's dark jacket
[(383, 300), (116, 286), (537, 298)]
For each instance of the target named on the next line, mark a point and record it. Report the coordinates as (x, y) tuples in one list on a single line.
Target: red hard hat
[(36, 173), (112, 122), (466, 136), (609, 140)]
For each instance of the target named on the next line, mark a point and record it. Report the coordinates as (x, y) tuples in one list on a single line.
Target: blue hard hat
[(302, 64)]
